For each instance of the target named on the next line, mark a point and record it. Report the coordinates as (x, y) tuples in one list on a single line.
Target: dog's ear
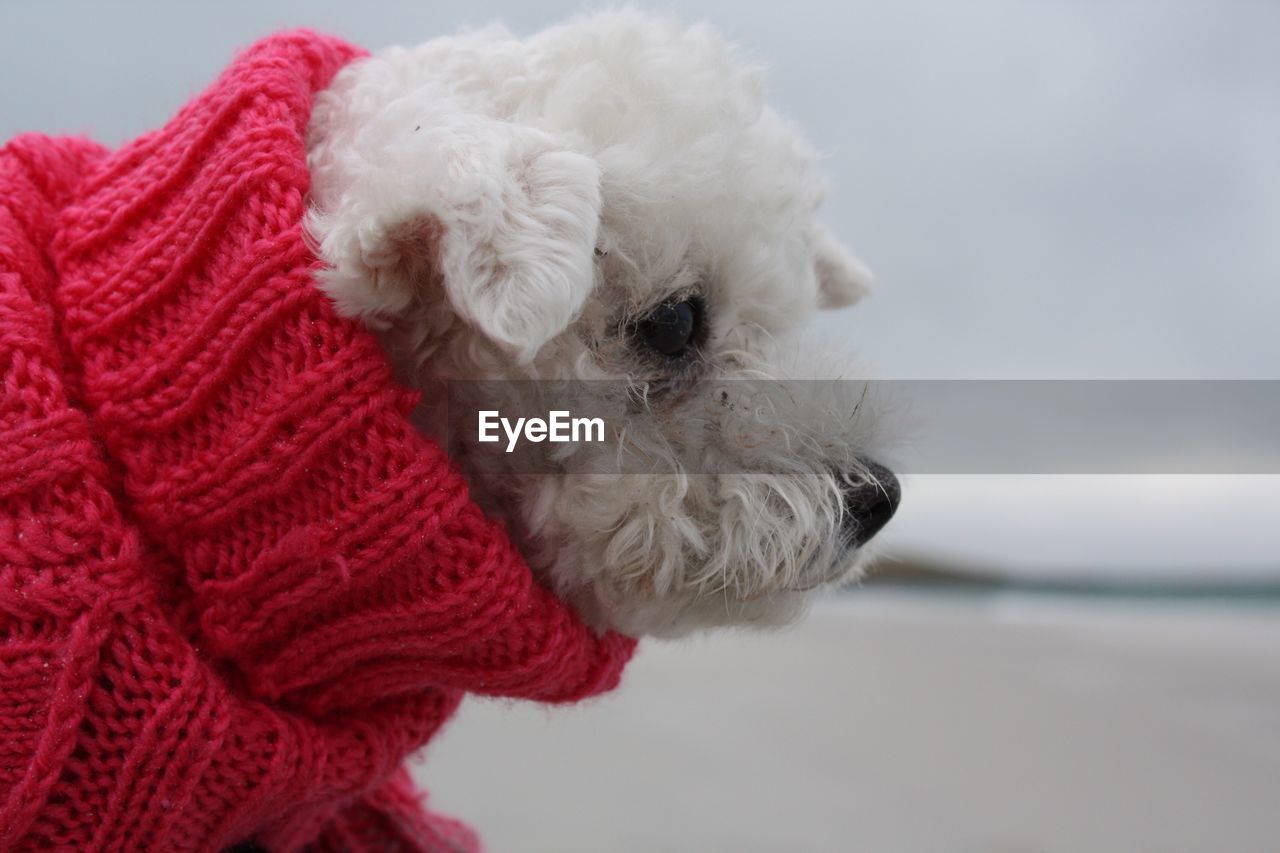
[(520, 264), (842, 278), (503, 217)]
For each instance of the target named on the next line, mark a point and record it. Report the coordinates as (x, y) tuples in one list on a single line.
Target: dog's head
[(610, 200)]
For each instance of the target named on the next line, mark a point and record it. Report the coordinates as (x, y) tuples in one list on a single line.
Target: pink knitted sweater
[(236, 587)]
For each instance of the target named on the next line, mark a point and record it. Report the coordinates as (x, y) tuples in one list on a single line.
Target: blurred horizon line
[(912, 570)]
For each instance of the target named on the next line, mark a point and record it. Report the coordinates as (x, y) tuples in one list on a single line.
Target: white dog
[(609, 200)]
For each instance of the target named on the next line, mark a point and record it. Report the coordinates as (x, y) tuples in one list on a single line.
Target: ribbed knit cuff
[(117, 729)]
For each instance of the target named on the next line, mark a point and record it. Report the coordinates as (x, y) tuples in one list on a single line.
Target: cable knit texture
[(236, 587)]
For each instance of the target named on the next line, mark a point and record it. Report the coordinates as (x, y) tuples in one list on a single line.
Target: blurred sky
[(1045, 188)]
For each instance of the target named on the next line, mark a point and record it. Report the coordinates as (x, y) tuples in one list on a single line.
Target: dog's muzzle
[(869, 503)]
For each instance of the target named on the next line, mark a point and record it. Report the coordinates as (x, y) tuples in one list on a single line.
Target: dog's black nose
[(870, 500)]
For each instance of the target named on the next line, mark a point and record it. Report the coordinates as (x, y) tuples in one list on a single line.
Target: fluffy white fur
[(504, 208)]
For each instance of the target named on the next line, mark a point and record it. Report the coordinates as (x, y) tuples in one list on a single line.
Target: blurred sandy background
[(891, 721), (1045, 188)]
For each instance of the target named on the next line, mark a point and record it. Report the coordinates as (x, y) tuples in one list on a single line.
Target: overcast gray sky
[(1045, 188)]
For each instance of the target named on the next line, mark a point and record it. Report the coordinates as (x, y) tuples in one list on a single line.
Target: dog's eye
[(672, 327)]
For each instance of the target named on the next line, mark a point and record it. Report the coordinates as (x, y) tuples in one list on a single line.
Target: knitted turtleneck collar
[(236, 586)]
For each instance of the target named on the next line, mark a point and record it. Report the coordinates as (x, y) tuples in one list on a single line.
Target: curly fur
[(504, 208)]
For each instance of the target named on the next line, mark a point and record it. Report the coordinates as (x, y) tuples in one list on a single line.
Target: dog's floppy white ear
[(421, 195), (519, 264), (842, 278)]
